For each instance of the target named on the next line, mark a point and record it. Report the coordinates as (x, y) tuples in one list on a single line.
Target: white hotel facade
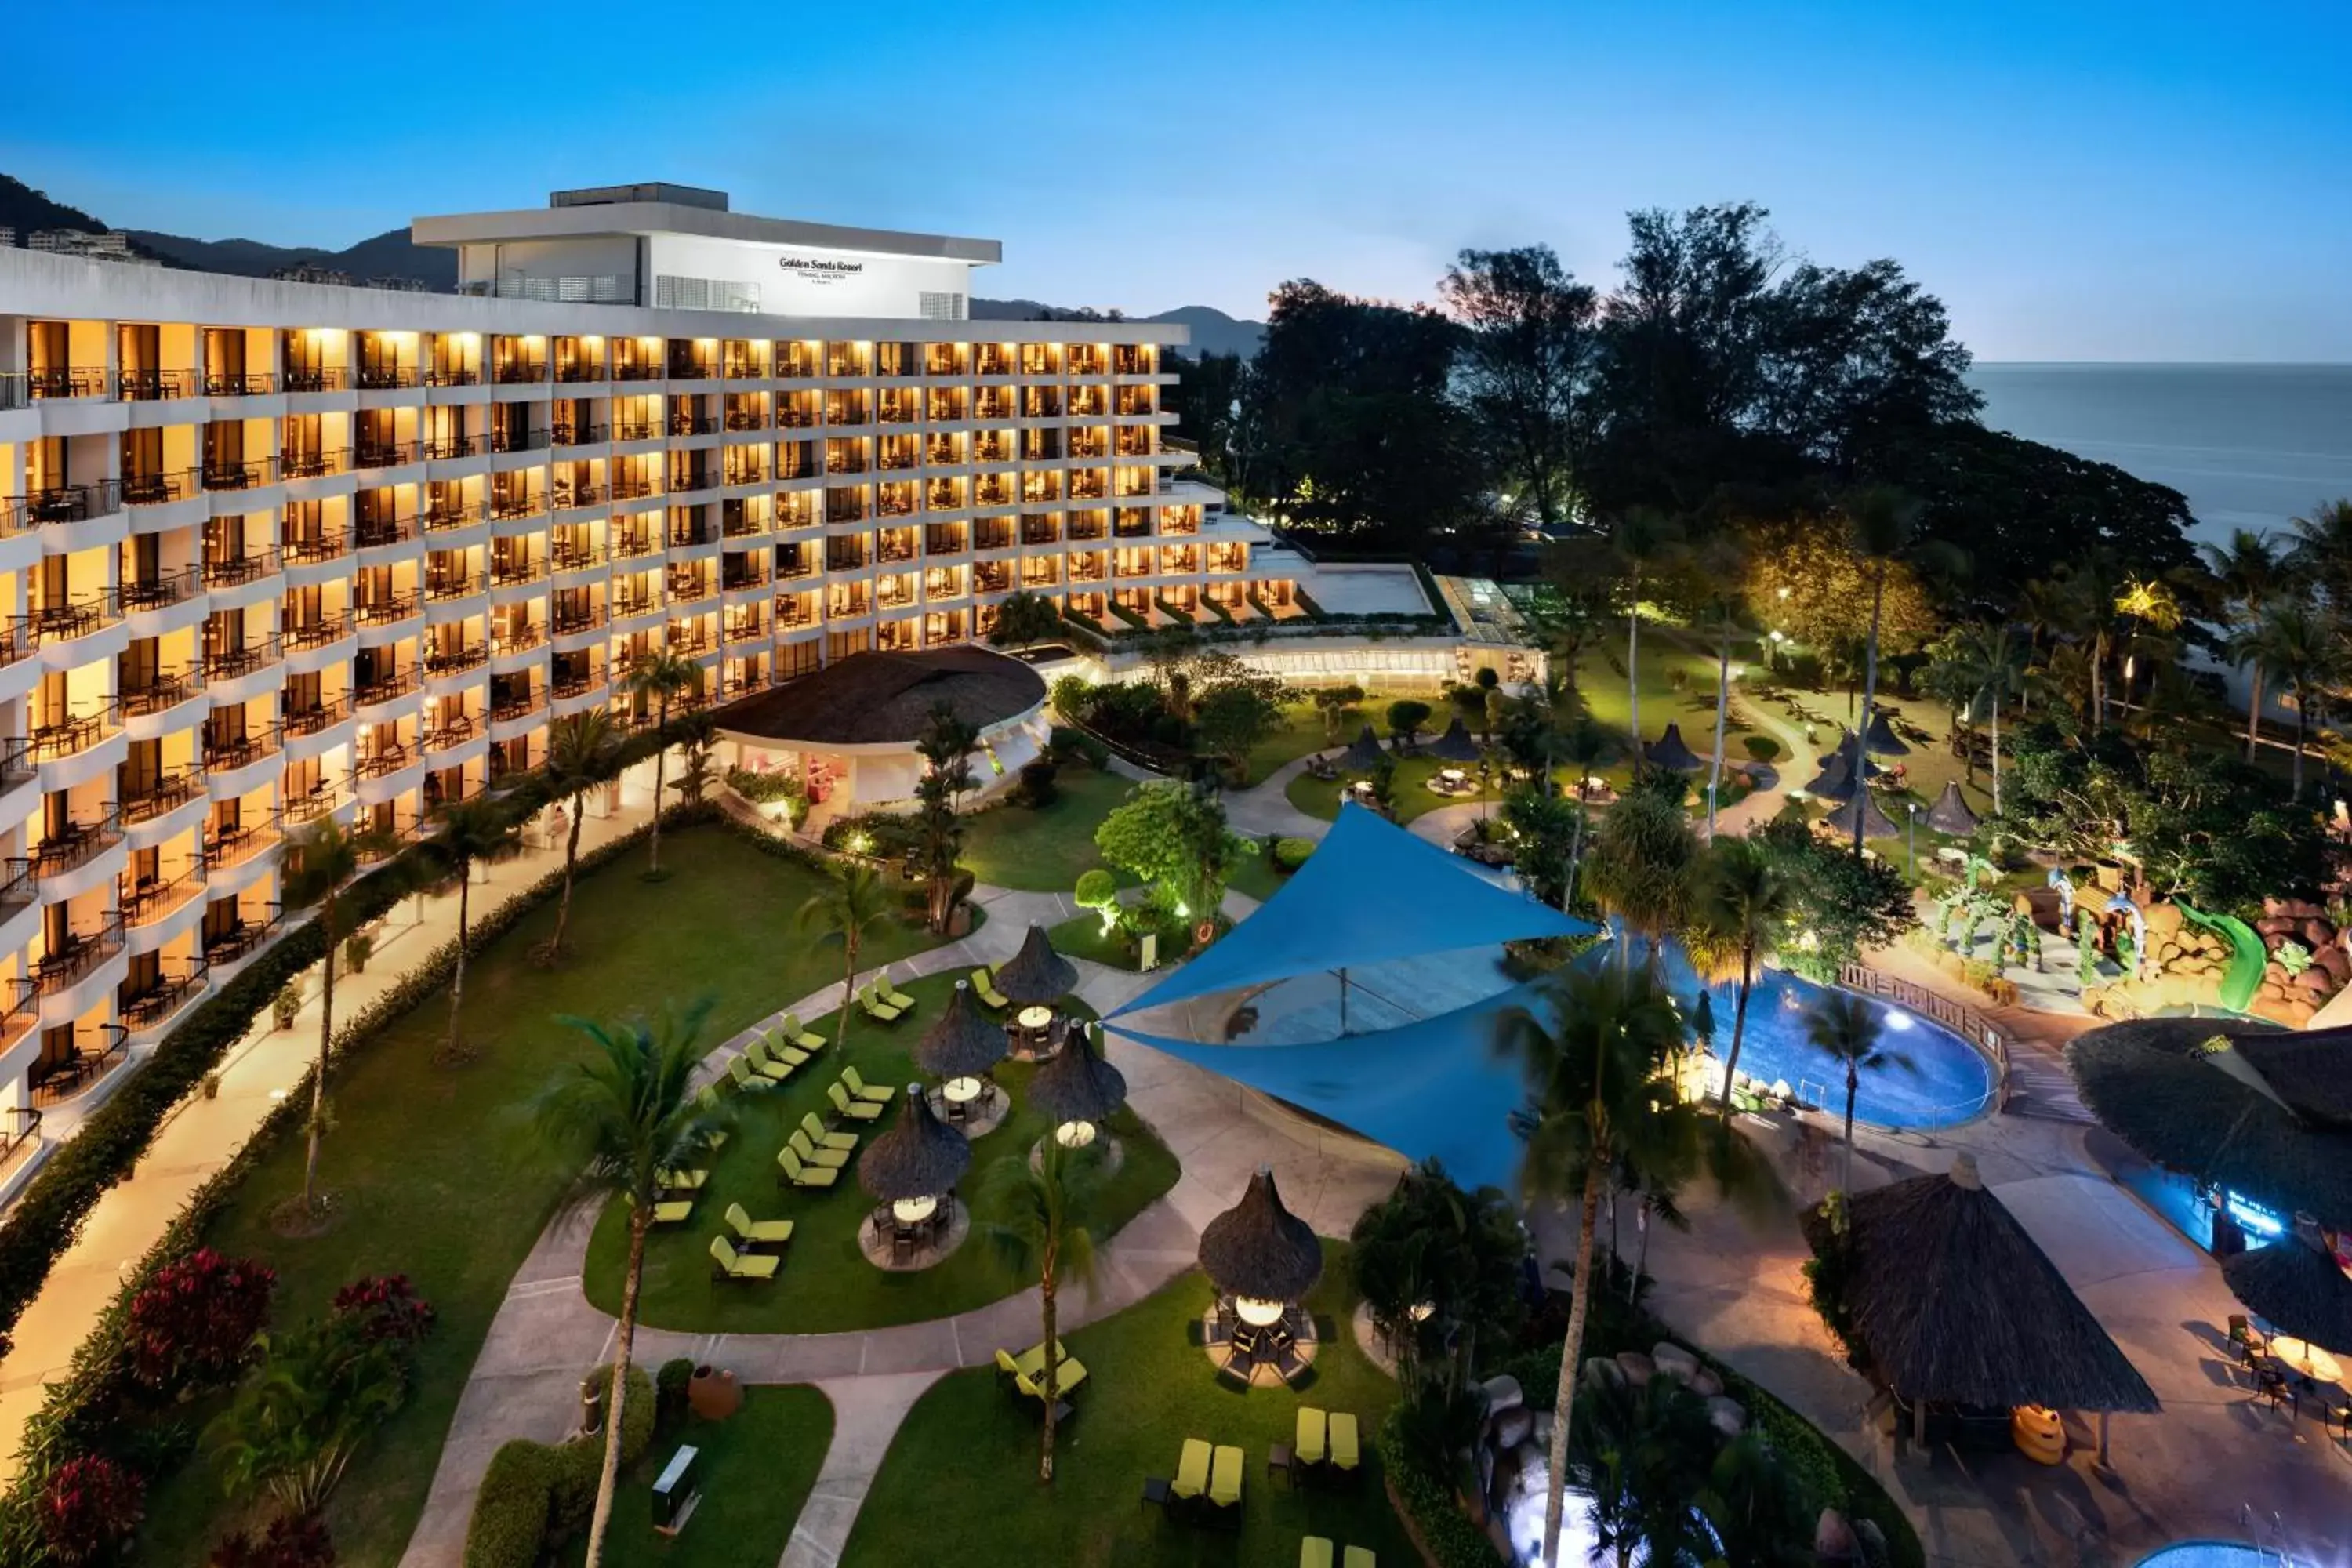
[(272, 551)]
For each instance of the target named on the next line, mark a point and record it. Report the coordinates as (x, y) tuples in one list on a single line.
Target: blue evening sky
[(2078, 179)]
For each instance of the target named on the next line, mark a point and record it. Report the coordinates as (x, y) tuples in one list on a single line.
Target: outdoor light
[(1422, 1311), (1075, 1134), (1258, 1313), (859, 843), (914, 1211), (1784, 593)]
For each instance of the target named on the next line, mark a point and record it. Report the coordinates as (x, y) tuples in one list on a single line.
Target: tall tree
[(1024, 618), (1639, 868), (1882, 521), (946, 750), (467, 833), (2249, 570), (1594, 1045), (322, 861), (2299, 643), (2321, 549), (1642, 542), (1994, 659), (629, 1112), (1742, 904), (1039, 1227), (851, 907), (1722, 565), (581, 749), (660, 678), (1527, 360), (1847, 1028)]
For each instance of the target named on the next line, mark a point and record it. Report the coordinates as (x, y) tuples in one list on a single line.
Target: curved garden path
[(525, 1381), (1264, 809)]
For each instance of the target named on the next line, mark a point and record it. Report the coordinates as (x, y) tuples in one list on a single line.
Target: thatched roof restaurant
[(1259, 1250), (1455, 745), (2236, 1106), (2294, 1285), (962, 1041), (921, 1157), (1952, 1303), (1036, 976)]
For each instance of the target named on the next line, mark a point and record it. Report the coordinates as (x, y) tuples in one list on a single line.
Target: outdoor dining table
[(1033, 1019), (2305, 1360)]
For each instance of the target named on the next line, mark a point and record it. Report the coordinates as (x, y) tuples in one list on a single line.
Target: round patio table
[(2306, 1359), (1034, 1018)]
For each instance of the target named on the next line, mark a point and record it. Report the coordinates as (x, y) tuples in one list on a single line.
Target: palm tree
[(2249, 570), (1996, 668), (1743, 899), (1848, 1028), (1640, 860), (2298, 645), (1595, 1050), (1724, 622), (2322, 550), (1037, 1228), (660, 677), (851, 908), (320, 864), (1641, 539), (467, 833), (581, 751), (2094, 583), (629, 1112), (1882, 520)]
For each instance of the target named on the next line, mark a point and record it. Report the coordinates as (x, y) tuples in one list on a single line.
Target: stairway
[(2041, 1088)]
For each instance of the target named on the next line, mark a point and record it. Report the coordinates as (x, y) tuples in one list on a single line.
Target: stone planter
[(713, 1394)]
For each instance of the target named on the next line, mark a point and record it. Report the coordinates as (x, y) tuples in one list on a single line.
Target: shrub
[(1762, 748), (1074, 696), (357, 948), (579, 1465), (1036, 786), (1452, 1541), (508, 1527), (287, 1004), (289, 1542), (385, 1307), (193, 1323), (1096, 889), (670, 1389), (89, 1508), (1407, 717), (1289, 854), (765, 789)]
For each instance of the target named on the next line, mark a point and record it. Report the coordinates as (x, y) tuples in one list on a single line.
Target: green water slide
[(2248, 956)]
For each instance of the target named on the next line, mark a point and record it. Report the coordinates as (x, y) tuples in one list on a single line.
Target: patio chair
[(824, 1140), (1191, 1471), (790, 1172), (726, 1263), (1315, 1551), (763, 1064), (751, 1233), (1344, 1454), (891, 994), (856, 1110), (2274, 1387), (876, 1008), (796, 1034), (1068, 1373), (983, 985), (860, 1090), (1225, 1484), (740, 1073), (672, 1211), (825, 1159), (1308, 1444), (1359, 1557), (681, 1181)]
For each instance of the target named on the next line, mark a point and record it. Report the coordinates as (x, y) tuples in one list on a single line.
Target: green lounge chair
[(827, 1159), (681, 1181), (1344, 1457), (726, 1263), (856, 1110), (1315, 1551), (878, 1008), (763, 1064), (744, 1079), (983, 985), (752, 1231), (891, 994), (824, 1140), (673, 1211), (1359, 1557), (1307, 1443), (790, 1172), (1191, 1470), (860, 1090), (1225, 1477), (795, 1034), (1070, 1371)]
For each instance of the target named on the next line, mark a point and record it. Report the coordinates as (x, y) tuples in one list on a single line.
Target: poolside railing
[(1958, 1017)]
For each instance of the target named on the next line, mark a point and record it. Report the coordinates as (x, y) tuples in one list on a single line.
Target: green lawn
[(968, 1453), (1303, 731), (825, 1284), (439, 1173), (1320, 797), (757, 1467), (1257, 876), (1045, 851), (1677, 684)]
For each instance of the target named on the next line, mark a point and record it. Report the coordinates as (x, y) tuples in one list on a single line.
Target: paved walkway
[(1264, 808)]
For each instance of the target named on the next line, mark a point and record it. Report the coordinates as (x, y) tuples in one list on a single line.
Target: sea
[(2250, 445)]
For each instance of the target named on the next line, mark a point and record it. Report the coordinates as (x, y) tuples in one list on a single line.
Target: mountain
[(1213, 332), (388, 255), (25, 209)]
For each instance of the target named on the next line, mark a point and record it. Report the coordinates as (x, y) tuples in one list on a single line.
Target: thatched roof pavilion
[(1077, 1084), (879, 698), (962, 1041), (1036, 976), (1259, 1249), (921, 1157), (1880, 739), (1455, 745), (1668, 752), (2222, 1115), (1876, 824), (2294, 1285), (1834, 782), (1950, 814), (1364, 754), (1952, 1303)]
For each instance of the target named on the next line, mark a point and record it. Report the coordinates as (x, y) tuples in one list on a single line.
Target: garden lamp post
[(1912, 839)]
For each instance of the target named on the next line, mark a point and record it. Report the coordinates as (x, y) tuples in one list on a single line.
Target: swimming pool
[(2212, 1554)]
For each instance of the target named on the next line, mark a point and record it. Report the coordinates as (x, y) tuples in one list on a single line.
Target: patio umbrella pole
[(1343, 1000)]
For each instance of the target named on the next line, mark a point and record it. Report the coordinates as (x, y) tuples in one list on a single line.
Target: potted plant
[(357, 948), (288, 1004)]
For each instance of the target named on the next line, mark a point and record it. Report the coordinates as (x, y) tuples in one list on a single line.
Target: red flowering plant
[(385, 1307), (290, 1542), (89, 1508), (194, 1324)]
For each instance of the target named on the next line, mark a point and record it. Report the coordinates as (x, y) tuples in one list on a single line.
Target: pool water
[(2212, 1554)]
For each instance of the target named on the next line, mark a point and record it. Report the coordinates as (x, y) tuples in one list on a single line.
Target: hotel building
[(275, 549)]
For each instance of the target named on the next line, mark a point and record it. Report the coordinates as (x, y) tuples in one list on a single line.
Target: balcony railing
[(56, 1080), (73, 960), (312, 464), (227, 756), (519, 440), (369, 694), (449, 446), (163, 796), (238, 384), (566, 622), (228, 846), (574, 686), (568, 435), (383, 454), (573, 557), (451, 661), (20, 1126), (505, 509), (450, 732), (517, 639), (152, 898), (374, 533), (635, 371), (240, 569), (152, 385), (458, 376), (387, 377), (157, 489), (226, 474), (73, 381), (314, 548), (70, 737), (746, 419), (319, 380), (519, 373), (166, 996), (165, 690), (517, 708), (694, 425), (314, 633), (386, 760), (577, 496), (388, 611), (506, 573), (440, 516), (318, 716), (628, 605), (453, 587), (76, 842), (230, 664), (229, 946), (158, 593), (635, 430)]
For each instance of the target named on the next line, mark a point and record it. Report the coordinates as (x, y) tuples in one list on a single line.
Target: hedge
[(1429, 1505), (536, 1494), (1289, 854)]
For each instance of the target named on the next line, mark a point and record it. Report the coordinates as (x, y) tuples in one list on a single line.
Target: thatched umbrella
[(1952, 1303), (1455, 745), (1950, 814), (921, 1157), (1834, 782), (962, 1044), (1261, 1254), (2241, 1107), (2294, 1285), (1668, 752), (1078, 1088), (1364, 754), (1876, 824), (1880, 739), (1036, 976)]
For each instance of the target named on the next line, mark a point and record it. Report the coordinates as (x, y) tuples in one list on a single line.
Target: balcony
[(74, 960), (453, 586), (319, 380), (633, 489), (153, 385), (166, 996), (61, 623), (372, 693), (508, 573), (694, 425), (163, 796), (374, 533), (70, 737), (573, 557), (157, 592), (316, 548), (318, 716), (454, 377), (238, 384), (456, 660), (517, 708), (746, 419), (454, 731), (520, 373), (569, 496), (232, 664), (78, 380), (628, 605), (387, 612), (516, 639), (508, 509), (387, 377), (566, 622), (225, 475), (383, 761), (227, 847), (165, 691), (452, 446), (566, 435), (744, 631), (383, 454), (635, 370), (59, 1081), (689, 589), (574, 686), (238, 570), (313, 464), (227, 756), (152, 900), (158, 490), (629, 547), (307, 635), (243, 942), (636, 430), (519, 440), (439, 517), (75, 842)]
